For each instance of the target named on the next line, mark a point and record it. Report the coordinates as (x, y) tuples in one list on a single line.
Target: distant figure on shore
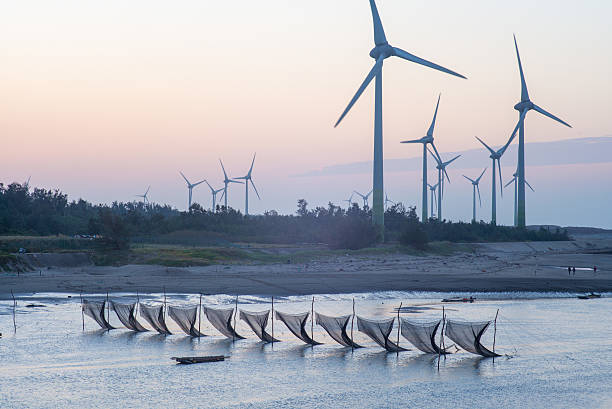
[(574, 270), (569, 271), (594, 269)]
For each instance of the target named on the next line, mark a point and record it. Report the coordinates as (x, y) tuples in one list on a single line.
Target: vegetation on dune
[(119, 225)]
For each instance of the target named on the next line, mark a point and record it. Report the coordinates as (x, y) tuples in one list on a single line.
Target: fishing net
[(186, 318), (95, 310), (221, 319), (379, 331), (336, 328), (422, 335), (258, 322), (155, 317), (125, 313), (467, 335), (296, 324)]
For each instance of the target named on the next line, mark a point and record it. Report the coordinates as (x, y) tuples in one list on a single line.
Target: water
[(560, 348)]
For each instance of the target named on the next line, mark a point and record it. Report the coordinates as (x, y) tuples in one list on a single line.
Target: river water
[(557, 353)]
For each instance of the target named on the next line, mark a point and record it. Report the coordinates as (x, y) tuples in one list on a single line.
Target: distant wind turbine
[(495, 155), (513, 180), (190, 187), (432, 189), (441, 166), (226, 182), (524, 106), (380, 52), (475, 188), (145, 197), (387, 200), (247, 178), (349, 201), (26, 184), (364, 197), (214, 196), (427, 139)]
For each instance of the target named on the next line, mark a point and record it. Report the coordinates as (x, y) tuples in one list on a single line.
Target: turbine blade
[(524, 93), (184, 177), (452, 160), (478, 180), (447, 177), (532, 189), (411, 57), (420, 140), (500, 177), (252, 163), (147, 190), (509, 183), (485, 145), (478, 190), (256, 192), (198, 183), (436, 151), (223, 167), (211, 188), (551, 116), (438, 160), (373, 72), (471, 180), (433, 121), (379, 32), (235, 181), (513, 135)]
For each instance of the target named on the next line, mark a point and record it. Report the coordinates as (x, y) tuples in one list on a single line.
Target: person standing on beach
[(574, 270), (569, 271)]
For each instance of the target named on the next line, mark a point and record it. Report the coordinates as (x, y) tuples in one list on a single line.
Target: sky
[(102, 99)]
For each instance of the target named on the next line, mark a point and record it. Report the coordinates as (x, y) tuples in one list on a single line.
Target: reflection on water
[(561, 348)]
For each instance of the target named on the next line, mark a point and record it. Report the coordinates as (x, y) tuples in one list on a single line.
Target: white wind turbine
[(432, 190), (247, 178), (495, 155), (145, 197), (475, 188), (226, 182), (349, 201), (513, 180), (387, 200), (427, 139), (380, 52), (441, 166), (190, 187), (524, 106), (364, 197), (214, 196)]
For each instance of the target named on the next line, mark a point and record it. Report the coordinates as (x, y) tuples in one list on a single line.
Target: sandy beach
[(493, 267)]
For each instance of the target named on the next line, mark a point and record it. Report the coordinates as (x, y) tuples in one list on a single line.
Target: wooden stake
[(14, 311), (200, 314), (352, 320), (443, 328), (399, 326), (495, 332), (312, 321), (441, 340), (272, 321), (165, 304), (82, 313), (235, 315), (107, 311)]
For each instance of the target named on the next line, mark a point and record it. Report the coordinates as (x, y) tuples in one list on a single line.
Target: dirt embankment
[(34, 261)]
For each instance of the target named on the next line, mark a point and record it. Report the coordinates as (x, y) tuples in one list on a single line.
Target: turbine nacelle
[(524, 106), (384, 50)]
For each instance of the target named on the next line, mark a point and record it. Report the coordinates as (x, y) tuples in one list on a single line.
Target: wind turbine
[(349, 201), (441, 166), (364, 197), (145, 197), (513, 180), (381, 51), (214, 195), (247, 178), (26, 184), (495, 155), (190, 187), (475, 187), (427, 139), (387, 200), (432, 189), (524, 106), (226, 181)]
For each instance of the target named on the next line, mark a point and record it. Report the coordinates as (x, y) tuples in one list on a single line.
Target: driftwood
[(198, 359)]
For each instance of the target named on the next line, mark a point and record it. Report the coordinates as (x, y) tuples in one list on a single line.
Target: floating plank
[(198, 359)]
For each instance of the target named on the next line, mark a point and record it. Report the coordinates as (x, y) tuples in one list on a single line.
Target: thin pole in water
[(107, 311), (200, 314), (312, 321), (14, 311), (82, 313), (441, 339), (399, 326), (272, 321), (165, 304), (137, 303), (495, 332), (352, 320), (235, 314), (443, 328)]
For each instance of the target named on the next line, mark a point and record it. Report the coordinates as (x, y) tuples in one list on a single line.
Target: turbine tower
[(495, 155), (381, 51), (524, 106), (214, 196), (226, 182), (364, 197), (190, 187), (427, 139), (145, 197), (432, 189), (513, 180), (247, 178), (475, 188), (441, 166)]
